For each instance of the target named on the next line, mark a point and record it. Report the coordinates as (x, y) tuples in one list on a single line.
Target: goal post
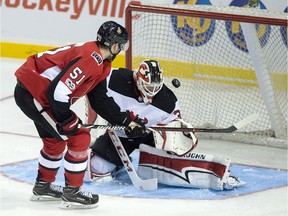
[(231, 62)]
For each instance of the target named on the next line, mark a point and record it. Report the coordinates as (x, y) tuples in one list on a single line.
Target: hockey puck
[(176, 83)]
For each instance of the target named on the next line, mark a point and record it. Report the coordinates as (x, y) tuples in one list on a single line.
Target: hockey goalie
[(193, 169), (190, 169), (139, 99)]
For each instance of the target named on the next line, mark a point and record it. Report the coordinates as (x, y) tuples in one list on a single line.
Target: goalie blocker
[(195, 170)]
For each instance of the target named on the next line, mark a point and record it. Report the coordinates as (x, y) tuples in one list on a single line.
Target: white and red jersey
[(57, 78), (118, 93)]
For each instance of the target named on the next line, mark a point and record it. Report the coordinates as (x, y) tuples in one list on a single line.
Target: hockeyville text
[(73, 7)]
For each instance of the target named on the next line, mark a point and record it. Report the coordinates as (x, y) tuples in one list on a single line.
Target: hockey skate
[(45, 191), (74, 198), (233, 182)]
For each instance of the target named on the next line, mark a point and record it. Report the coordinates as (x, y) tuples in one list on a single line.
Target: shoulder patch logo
[(119, 31), (97, 57), (70, 84)]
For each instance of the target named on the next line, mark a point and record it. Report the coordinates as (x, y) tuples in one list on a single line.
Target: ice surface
[(19, 142)]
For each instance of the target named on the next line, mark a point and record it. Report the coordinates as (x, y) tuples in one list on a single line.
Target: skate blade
[(43, 198), (73, 205)]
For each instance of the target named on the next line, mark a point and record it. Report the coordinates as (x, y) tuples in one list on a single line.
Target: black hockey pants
[(26, 103)]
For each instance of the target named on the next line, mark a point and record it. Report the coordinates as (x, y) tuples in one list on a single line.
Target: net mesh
[(210, 58)]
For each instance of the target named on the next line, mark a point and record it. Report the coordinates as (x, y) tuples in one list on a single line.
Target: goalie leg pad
[(98, 169), (100, 165), (196, 170)]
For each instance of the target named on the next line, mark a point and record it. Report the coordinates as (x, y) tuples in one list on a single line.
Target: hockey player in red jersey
[(167, 156), (48, 83)]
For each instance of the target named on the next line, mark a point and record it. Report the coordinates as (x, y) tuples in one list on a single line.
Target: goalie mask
[(149, 79)]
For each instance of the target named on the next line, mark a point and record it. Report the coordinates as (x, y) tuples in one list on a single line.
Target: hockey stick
[(149, 184), (230, 129)]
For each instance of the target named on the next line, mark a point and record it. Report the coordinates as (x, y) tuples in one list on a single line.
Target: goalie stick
[(148, 184), (230, 129)]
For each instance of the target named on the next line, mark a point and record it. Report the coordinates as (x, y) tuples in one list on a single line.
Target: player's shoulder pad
[(121, 73), (165, 100), (121, 81)]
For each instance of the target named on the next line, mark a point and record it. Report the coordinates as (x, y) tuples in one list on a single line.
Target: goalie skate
[(233, 182)]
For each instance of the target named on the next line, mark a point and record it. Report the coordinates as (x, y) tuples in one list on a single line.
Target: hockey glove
[(136, 127), (70, 126)]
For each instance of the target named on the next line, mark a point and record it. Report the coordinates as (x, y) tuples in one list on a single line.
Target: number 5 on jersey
[(76, 76)]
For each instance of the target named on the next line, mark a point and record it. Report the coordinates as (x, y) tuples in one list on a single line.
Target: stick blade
[(247, 120), (146, 184)]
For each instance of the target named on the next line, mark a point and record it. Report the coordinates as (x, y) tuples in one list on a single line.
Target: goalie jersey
[(118, 93)]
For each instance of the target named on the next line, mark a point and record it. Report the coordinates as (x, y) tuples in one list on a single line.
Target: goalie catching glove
[(135, 125), (173, 141)]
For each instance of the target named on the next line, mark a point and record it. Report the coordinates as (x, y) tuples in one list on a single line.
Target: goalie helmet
[(149, 79), (110, 33)]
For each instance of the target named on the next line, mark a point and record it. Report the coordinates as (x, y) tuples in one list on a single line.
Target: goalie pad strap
[(196, 170)]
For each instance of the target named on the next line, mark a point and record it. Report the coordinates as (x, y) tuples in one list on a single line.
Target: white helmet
[(149, 79)]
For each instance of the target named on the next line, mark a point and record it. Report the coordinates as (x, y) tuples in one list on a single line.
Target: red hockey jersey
[(63, 74)]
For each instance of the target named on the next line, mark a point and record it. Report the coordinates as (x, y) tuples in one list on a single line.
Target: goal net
[(231, 62)]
